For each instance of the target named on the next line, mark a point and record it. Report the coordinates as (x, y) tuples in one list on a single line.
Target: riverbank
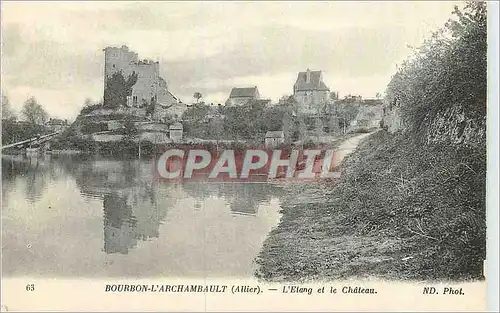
[(392, 215)]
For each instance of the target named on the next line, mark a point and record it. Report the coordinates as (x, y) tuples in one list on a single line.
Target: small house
[(274, 138), (176, 131), (241, 96)]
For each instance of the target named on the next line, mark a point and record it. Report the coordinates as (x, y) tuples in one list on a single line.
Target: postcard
[(249, 156)]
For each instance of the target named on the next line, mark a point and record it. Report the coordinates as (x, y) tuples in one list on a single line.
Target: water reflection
[(129, 194), (29, 168), (119, 225), (125, 222), (242, 198)]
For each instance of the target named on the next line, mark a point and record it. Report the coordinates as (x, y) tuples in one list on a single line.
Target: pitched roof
[(243, 92), (315, 83)]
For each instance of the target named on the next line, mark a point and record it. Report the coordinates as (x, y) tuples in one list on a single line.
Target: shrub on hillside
[(14, 131), (448, 70)]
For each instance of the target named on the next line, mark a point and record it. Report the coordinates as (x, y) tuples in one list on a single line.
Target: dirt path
[(316, 193), (348, 146), (308, 243)]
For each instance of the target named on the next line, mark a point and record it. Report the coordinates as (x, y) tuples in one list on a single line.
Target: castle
[(310, 91), (150, 86)]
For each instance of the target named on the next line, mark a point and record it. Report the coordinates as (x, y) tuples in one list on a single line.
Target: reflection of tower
[(133, 210), (149, 215), (119, 224)]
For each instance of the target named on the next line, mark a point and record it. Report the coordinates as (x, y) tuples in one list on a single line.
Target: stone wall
[(311, 101), (452, 126)]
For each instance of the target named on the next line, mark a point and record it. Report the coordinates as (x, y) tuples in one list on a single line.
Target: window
[(134, 100), (114, 65)]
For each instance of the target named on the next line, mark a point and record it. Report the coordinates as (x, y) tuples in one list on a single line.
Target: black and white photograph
[(285, 144)]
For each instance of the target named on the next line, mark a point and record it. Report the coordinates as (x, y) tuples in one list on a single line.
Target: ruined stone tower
[(149, 84)]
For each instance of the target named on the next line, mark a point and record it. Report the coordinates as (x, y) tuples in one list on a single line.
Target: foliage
[(118, 89), (193, 119), (33, 112), (246, 121), (197, 96), (150, 108), (130, 130), (346, 112), (7, 113), (88, 127), (13, 131), (276, 117), (448, 70), (89, 106), (70, 139), (196, 113)]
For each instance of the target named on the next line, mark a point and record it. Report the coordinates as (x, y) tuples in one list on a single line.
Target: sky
[(53, 50)]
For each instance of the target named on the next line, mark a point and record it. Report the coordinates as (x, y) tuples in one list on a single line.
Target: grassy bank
[(400, 211)]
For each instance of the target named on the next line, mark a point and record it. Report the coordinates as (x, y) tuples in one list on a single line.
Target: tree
[(448, 71), (89, 106), (34, 112), (246, 121), (151, 108), (193, 119), (378, 95), (7, 113), (197, 96), (196, 113), (346, 113), (284, 99), (129, 128), (118, 89)]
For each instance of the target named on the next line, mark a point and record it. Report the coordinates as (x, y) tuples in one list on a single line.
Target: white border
[(492, 159)]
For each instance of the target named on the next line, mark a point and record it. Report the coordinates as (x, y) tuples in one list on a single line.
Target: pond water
[(68, 216)]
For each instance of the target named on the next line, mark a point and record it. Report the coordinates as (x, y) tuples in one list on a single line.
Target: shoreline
[(363, 225)]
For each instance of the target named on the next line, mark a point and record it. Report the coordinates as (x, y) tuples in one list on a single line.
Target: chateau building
[(310, 92), (150, 86)]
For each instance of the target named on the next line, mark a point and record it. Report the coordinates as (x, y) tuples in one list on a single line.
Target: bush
[(89, 108), (445, 72), (14, 131), (90, 128)]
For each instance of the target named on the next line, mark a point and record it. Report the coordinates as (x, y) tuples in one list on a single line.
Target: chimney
[(308, 76)]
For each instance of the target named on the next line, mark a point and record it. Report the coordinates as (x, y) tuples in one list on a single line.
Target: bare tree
[(34, 112)]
